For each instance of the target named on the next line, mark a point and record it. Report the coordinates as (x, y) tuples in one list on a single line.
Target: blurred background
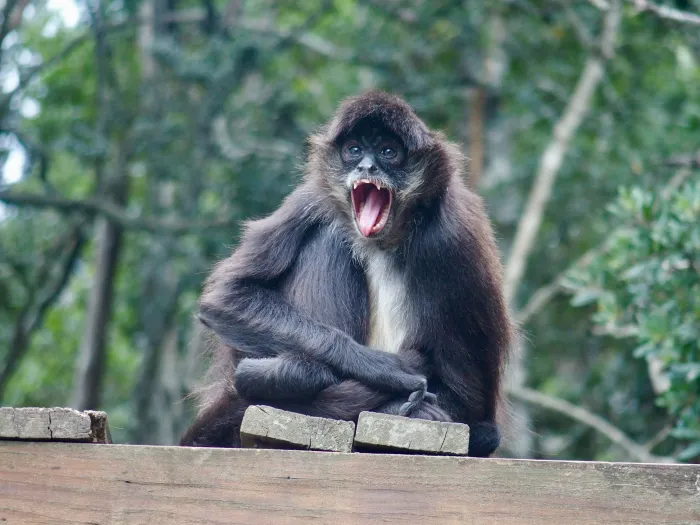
[(135, 136)]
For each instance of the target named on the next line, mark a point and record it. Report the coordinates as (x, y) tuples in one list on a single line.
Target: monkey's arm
[(294, 382), (242, 303), (467, 330), (297, 379), (286, 378)]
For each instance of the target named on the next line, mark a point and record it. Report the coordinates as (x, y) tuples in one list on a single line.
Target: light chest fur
[(388, 303)]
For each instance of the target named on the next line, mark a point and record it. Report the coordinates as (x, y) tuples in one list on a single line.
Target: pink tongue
[(370, 212)]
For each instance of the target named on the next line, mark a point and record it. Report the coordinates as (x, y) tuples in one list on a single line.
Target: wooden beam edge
[(134, 484), (378, 456)]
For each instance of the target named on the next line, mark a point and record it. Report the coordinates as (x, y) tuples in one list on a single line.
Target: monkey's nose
[(367, 165)]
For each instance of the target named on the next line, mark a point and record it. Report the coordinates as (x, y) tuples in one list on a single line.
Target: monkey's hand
[(382, 370)]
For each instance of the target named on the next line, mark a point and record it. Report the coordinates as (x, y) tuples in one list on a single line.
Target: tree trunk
[(90, 365), (159, 280)]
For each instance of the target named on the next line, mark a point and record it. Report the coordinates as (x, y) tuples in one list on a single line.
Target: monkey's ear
[(202, 320)]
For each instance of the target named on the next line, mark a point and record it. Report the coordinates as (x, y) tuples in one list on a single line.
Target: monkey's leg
[(484, 439), (218, 425), (286, 378), (484, 434), (344, 401)]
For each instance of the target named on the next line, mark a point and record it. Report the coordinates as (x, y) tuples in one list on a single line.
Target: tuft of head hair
[(389, 110), (431, 148)]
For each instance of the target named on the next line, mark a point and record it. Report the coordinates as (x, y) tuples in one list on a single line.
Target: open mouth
[(371, 204)]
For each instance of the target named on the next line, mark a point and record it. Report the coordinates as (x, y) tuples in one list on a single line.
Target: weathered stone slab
[(384, 432), (24, 423), (53, 424), (268, 427)]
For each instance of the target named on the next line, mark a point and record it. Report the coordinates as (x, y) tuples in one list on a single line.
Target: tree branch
[(689, 160), (36, 154), (235, 150), (582, 32), (67, 50), (616, 332), (603, 5), (11, 17), (6, 17), (538, 300), (659, 438), (580, 414), (664, 11), (396, 12), (196, 15), (32, 315), (92, 207), (553, 156), (493, 70), (541, 297)]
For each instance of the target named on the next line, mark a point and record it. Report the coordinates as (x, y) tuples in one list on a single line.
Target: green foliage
[(208, 124), (646, 284)]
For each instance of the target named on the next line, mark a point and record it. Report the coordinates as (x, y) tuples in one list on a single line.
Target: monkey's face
[(373, 161)]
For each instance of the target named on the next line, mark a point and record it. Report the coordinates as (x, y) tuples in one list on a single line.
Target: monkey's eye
[(388, 153), (354, 150)]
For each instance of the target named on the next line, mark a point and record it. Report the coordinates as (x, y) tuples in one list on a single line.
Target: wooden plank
[(394, 433), (54, 424), (268, 427), (60, 483)]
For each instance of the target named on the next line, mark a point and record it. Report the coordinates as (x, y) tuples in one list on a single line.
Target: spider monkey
[(377, 278)]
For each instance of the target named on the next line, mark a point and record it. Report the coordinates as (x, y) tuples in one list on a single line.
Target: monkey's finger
[(407, 409), (429, 396), (415, 399), (416, 396)]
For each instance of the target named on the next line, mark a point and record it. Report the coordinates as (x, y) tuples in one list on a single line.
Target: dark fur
[(285, 304)]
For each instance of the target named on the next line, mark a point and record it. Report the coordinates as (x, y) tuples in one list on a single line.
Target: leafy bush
[(646, 285)]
